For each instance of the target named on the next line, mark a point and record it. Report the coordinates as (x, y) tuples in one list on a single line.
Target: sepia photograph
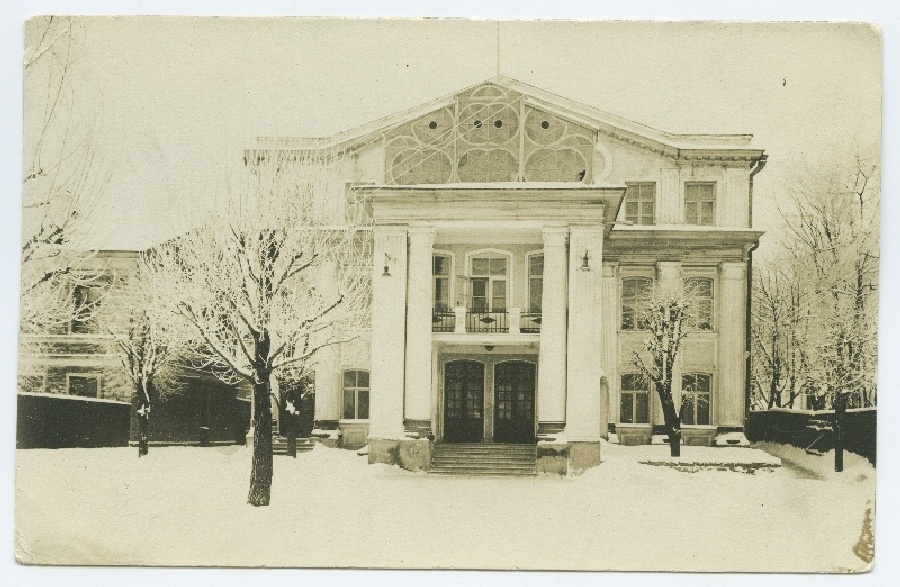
[(409, 293)]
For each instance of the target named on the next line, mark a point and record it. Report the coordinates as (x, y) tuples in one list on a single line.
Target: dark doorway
[(464, 401), (514, 402)]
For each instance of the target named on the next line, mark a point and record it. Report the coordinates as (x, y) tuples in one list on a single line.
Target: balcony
[(461, 320)]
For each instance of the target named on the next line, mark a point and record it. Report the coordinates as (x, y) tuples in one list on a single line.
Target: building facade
[(514, 232)]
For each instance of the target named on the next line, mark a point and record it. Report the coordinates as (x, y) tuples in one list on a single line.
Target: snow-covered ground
[(187, 506)]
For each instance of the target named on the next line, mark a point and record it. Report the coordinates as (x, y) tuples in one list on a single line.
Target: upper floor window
[(535, 283), (635, 293), (640, 203), (634, 399), (488, 284), (699, 203), (696, 389), (440, 271), (356, 395), (85, 301), (699, 290)]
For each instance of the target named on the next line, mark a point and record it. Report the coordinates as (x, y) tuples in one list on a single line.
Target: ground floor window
[(696, 390), (83, 385), (634, 399), (356, 395)]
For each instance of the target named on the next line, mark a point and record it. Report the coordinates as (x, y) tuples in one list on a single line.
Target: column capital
[(422, 233), (390, 231), (555, 236), (609, 269)]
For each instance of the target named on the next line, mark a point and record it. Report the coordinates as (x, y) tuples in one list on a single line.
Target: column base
[(583, 456), (412, 454), (566, 458), (418, 429)]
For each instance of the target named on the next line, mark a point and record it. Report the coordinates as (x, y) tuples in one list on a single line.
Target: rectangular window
[(488, 290), (356, 395), (535, 283), (640, 203), (84, 385), (85, 300), (635, 295), (696, 391), (634, 399), (699, 291), (699, 203), (440, 269)]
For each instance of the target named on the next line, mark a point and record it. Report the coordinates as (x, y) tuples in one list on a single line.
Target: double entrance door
[(511, 408)]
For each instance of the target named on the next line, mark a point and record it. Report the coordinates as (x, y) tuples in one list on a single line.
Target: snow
[(187, 506), (79, 398)]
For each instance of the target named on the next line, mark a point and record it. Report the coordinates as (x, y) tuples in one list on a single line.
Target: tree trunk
[(261, 468), (670, 416), (838, 431), (143, 412)]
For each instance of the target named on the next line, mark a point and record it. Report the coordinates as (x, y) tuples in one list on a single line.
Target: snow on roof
[(73, 397)]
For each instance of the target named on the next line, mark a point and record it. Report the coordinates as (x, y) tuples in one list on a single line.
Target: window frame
[(86, 375), (529, 277), (712, 299), (451, 281), (622, 301), (508, 278), (694, 404), (90, 315), (633, 393), (355, 389), (640, 185), (697, 221)]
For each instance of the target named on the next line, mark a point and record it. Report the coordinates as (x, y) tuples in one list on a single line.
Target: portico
[(473, 336)]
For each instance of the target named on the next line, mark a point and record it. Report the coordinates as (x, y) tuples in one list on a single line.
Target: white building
[(514, 230)]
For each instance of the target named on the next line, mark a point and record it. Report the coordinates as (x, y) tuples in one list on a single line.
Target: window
[(440, 271), (695, 398), (640, 201), (634, 399), (699, 203), (699, 291), (84, 385), (535, 283), (356, 395), (635, 293), (85, 299), (488, 284)]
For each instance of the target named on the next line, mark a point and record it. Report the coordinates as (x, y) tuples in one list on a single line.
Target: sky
[(177, 99)]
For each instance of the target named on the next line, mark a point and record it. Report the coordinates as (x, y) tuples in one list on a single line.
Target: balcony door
[(514, 402), (464, 401)]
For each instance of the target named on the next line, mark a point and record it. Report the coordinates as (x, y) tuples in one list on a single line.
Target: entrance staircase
[(279, 445), (483, 459)]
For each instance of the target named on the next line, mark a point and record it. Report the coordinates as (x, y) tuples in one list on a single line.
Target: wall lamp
[(586, 261), (387, 266)]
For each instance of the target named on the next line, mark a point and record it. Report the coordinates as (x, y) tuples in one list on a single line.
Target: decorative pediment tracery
[(489, 135)]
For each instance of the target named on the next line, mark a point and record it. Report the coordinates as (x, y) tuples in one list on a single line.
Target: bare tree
[(280, 276), (149, 338), (61, 183), (669, 316)]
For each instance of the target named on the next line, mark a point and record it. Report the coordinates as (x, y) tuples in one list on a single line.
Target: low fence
[(69, 421), (812, 430)]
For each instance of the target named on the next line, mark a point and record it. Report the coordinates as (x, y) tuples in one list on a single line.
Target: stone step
[(525, 472), (438, 460), (524, 451)]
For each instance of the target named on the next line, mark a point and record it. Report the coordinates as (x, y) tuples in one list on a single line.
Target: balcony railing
[(442, 320), (531, 322), (486, 321), (461, 320)]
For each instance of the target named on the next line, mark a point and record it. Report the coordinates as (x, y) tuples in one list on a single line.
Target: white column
[(669, 206), (728, 399), (609, 342), (388, 318), (668, 276), (583, 370), (551, 392), (417, 403)]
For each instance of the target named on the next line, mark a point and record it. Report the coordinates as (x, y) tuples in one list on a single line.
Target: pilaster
[(728, 399), (417, 402)]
